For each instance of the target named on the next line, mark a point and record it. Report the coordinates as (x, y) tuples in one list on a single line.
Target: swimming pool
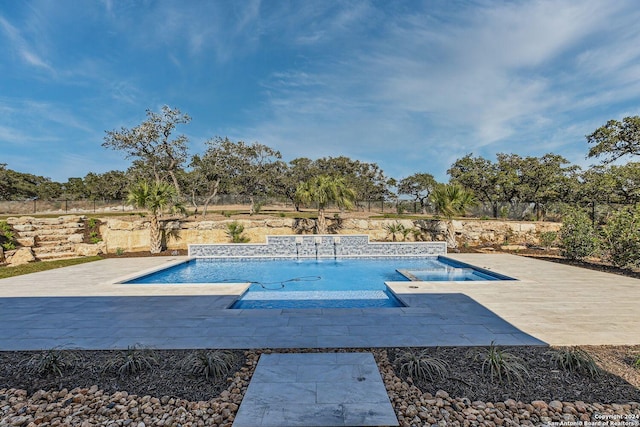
[(310, 283)]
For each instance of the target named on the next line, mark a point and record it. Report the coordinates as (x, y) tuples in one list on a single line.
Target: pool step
[(315, 295)]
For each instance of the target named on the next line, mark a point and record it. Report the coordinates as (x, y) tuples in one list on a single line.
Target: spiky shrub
[(213, 365), (422, 366), (50, 362), (502, 365), (393, 229), (575, 359), (234, 232), (132, 361), (636, 362)]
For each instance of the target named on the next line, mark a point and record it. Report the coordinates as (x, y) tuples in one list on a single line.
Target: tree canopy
[(323, 190), (616, 139), (151, 146), (418, 185)]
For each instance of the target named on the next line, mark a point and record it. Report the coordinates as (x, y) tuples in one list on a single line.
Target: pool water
[(311, 283)]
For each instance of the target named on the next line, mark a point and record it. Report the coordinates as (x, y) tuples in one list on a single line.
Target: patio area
[(81, 307)]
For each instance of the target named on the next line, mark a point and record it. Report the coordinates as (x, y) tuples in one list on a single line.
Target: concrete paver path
[(316, 389)]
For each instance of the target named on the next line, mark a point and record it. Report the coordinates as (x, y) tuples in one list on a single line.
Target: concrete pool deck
[(81, 307)]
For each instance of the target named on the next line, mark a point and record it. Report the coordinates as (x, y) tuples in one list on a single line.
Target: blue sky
[(409, 85)]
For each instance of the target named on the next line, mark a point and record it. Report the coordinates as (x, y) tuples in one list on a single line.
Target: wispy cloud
[(495, 79), (22, 48)]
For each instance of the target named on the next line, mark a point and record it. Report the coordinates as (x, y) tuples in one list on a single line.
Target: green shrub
[(119, 251), (504, 212), (621, 238), (574, 359), (422, 366), (547, 238), (7, 237), (501, 365), (636, 363), (234, 232), (578, 238), (131, 361), (214, 365)]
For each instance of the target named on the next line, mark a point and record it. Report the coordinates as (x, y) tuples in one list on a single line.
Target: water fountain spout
[(336, 240), (298, 244), (317, 242)]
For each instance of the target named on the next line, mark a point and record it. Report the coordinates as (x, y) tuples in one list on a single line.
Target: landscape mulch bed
[(164, 376), (619, 381)]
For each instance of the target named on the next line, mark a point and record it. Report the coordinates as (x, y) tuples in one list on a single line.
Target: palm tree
[(450, 200), (156, 198), (323, 190)]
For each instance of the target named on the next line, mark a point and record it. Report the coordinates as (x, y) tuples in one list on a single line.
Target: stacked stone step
[(50, 238)]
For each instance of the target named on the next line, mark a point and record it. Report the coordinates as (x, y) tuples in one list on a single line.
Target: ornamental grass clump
[(501, 365), (50, 362), (214, 365), (575, 359), (132, 361), (422, 366)]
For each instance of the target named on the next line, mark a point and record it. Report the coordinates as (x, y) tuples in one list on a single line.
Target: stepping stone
[(316, 389)]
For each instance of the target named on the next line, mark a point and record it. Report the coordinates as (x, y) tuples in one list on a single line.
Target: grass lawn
[(43, 266)]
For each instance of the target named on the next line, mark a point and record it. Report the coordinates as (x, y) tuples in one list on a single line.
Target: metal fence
[(37, 206), (523, 211)]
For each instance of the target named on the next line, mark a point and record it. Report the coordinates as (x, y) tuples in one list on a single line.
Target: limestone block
[(513, 247), (206, 225), (188, 225), (527, 227), (21, 256), (457, 225), (20, 220), (513, 226), (172, 225), (23, 227), (86, 249), (279, 223), (75, 238), (28, 241), (116, 224), (72, 218)]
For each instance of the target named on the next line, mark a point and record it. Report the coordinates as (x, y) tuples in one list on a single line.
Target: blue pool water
[(311, 283)]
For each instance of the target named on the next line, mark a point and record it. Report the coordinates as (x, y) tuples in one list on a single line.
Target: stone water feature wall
[(318, 246)]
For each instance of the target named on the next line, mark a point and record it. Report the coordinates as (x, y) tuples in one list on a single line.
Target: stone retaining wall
[(49, 238), (133, 235)]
